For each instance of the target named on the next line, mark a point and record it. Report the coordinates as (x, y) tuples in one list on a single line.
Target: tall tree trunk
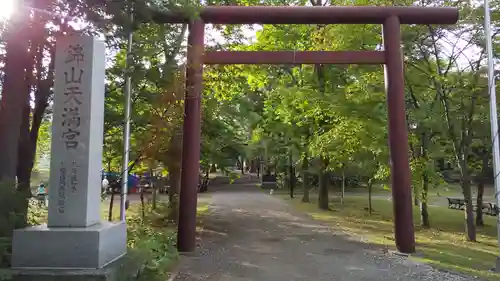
[(480, 189), (242, 166), (424, 211), (370, 185), (32, 120), (174, 156), (14, 97), (153, 184), (292, 175), (25, 164), (28, 139), (305, 179), (342, 191), (173, 194), (286, 179), (479, 203), (154, 196), (321, 86), (174, 181), (143, 205), (111, 204), (416, 195), (470, 227), (205, 181), (258, 167), (253, 165), (323, 186)]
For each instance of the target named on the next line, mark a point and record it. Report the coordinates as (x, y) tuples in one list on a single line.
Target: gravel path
[(249, 235)]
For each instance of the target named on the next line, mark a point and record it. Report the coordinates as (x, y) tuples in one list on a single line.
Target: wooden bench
[(491, 209), (456, 203), (487, 208)]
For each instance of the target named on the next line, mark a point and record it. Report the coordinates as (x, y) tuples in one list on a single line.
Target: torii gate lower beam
[(390, 17)]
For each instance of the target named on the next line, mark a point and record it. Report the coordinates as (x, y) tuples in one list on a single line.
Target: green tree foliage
[(333, 118)]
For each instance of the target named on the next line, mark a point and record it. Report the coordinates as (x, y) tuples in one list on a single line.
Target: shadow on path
[(250, 235)]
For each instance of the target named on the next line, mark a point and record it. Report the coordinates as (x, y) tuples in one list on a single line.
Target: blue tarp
[(133, 180)]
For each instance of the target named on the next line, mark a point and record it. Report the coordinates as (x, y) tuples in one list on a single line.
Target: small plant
[(37, 214), (233, 177), (13, 207), (13, 214), (153, 239)]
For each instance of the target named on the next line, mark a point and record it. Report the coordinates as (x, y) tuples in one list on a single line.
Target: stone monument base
[(69, 248), (125, 268)]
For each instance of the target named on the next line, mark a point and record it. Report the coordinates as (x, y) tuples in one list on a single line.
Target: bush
[(12, 203), (13, 206), (37, 214), (154, 239)]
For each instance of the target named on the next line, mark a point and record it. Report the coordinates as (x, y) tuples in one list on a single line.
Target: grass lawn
[(443, 246), (443, 190), (202, 208), (436, 196)]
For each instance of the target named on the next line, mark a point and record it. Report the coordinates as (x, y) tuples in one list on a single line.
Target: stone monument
[(74, 237)]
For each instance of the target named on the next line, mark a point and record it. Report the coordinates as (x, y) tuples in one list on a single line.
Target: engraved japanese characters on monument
[(77, 128), (70, 120)]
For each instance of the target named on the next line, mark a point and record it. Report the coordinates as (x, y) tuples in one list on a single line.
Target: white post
[(493, 116), (126, 130)]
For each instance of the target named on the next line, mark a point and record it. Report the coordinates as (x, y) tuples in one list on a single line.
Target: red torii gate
[(390, 17)]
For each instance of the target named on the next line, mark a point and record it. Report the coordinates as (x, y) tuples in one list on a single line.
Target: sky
[(6, 8)]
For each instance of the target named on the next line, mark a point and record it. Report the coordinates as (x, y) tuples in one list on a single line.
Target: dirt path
[(249, 235)]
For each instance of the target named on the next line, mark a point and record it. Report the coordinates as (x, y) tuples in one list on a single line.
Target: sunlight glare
[(6, 9)]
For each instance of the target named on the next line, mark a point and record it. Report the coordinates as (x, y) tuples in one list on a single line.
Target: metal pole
[(398, 137), (493, 116), (126, 130)]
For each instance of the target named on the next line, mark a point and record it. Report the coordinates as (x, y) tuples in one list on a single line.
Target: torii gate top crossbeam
[(314, 15)]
